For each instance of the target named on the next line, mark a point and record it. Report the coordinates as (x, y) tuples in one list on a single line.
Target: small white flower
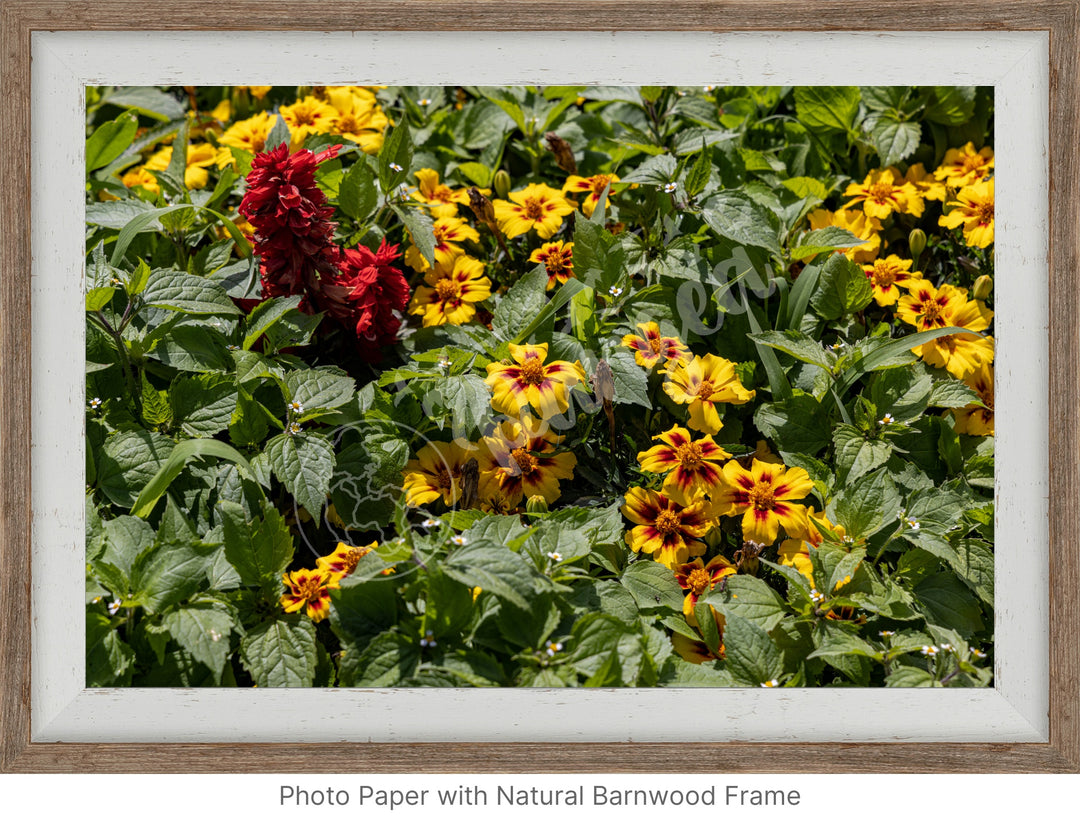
[(551, 648), (914, 525), (294, 428), (114, 606), (771, 683), (296, 407), (901, 514), (428, 640), (555, 556), (403, 189), (928, 650), (96, 599), (848, 539), (396, 167), (886, 420), (886, 634), (424, 102), (816, 596), (670, 187), (836, 346), (947, 648), (459, 540), (95, 403), (431, 523), (977, 653), (232, 347), (707, 88), (444, 362), (116, 282), (680, 93), (615, 291)]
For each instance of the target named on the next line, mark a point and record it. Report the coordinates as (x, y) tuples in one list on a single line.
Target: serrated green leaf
[(752, 657), (188, 293), (827, 108), (281, 653), (304, 463), (357, 194), (750, 598), (204, 632), (653, 586)]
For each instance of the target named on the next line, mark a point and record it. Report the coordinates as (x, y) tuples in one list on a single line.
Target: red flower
[(375, 290)]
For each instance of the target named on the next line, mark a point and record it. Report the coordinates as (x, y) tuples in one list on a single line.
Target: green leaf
[(950, 105), (125, 538), (839, 642), (109, 141), (422, 231), (631, 380), (907, 676), (902, 392), (878, 98), (357, 194), (824, 241), (169, 573), (304, 463), (109, 660), (951, 393), (279, 134), (128, 462), (154, 404), (146, 100), (735, 216), (778, 381), (798, 424), (98, 298), (752, 657), (881, 353), (494, 569), (653, 585), (698, 177), (168, 470), (948, 603), (146, 220), (857, 453), (265, 315), (388, 659), (521, 304), (188, 293), (843, 289), (893, 139), (863, 507), (395, 157), (319, 391), (203, 404), (193, 347), (467, 398), (796, 344), (281, 653), (258, 549), (749, 598), (604, 643), (204, 632), (827, 108)]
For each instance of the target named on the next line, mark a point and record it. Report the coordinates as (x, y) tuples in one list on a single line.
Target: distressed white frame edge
[(1015, 710)]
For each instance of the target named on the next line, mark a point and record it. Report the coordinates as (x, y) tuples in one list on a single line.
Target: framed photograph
[(476, 389)]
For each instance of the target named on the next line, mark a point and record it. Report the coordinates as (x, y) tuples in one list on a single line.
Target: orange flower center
[(698, 581), (762, 497), (599, 182), (443, 478), (525, 461), (689, 456), (884, 275), (305, 117), (309, 589), (448, 290), (882, 191), (667, 522), (971, 163), (932, 313), (656, 343), (258, 142), (534, 209), (346, 124), (706, 389), (532, 371), (442, 193), (557, 261), (985, 212)]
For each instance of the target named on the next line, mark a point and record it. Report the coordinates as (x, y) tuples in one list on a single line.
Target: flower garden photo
[(539, 386)]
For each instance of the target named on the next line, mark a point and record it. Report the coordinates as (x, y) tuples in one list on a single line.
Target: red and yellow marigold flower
[(308, 116), (959, 354), (698, 578), (558, 259), (925, 183), (653, 347), (886, 275), (703, 383), (309, 589), (927, 307), (692, 466), (452, 290), (763, 496), (696, 652), (359, 118), (520, 461), (435, 474), (199, 157), (795, 551), (881, 195), (963, 167), (855, 222), (974, 211), (538, 207), (668, 528), (526, 380), (249, 135), (440, 199), (594, 186), (978, 419), (343, 560), (449, 232)]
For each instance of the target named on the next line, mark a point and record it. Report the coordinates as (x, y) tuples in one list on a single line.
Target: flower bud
[(536, 505), (564, 156), (917, 242), (502, 183), (984, 286), (485, 212)]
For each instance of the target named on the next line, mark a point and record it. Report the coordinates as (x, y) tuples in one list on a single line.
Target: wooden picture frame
[(1061, 753)]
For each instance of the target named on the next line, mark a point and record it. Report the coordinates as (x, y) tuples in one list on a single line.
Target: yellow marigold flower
[(881, 196), (528, 381), (440, 199), (223, 111), (885, 274), (452, 290), (974, 209), (693, 466), (963, 167), (925, 183), (960, 354), (249, 135), (668, 527), (593, 185), (141, 177), (558, 259), (448, 232), (199, 157), (257, 92), (855, 222), (763, 497), (359, 118), (520, 461), (435, 473), (538, 207), (978, 419), (696, 652), (309, 589), (308, 116), (703, 383), (696, 578), (927, 307), (654, 347), (765, 454), (794, 551), (343, 560)]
